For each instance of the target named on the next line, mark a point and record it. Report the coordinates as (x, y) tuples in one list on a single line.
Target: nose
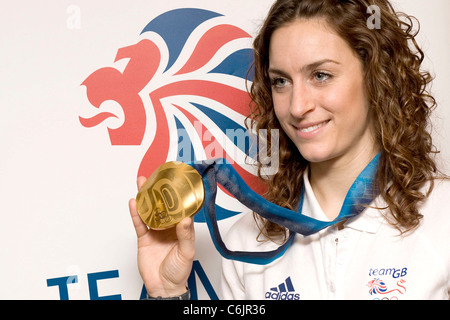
[(302, 101)]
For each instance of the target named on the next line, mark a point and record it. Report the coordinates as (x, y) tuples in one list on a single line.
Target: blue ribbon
[(218, 171)]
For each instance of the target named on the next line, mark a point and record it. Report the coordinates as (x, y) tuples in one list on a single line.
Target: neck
[(331, 180)]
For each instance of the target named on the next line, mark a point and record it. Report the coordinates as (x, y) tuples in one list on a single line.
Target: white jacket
[(368, 259)]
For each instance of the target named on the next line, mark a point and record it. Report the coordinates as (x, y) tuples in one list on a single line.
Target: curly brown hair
[(400, 104)]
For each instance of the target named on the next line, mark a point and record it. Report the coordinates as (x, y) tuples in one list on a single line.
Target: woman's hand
[(164, 256)]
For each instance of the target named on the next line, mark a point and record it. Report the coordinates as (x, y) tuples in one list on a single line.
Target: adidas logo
[(284, 291)]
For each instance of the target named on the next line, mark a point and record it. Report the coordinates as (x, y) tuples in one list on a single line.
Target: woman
[(340, 92)]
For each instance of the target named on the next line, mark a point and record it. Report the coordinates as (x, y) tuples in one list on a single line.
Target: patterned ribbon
[(218, 171)]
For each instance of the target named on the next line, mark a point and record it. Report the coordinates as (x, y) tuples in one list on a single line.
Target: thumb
[(186, 238)]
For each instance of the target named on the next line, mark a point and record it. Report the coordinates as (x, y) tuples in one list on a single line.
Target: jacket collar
[(369, 220)]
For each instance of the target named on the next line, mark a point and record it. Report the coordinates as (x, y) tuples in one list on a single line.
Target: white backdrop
[(65, 230)]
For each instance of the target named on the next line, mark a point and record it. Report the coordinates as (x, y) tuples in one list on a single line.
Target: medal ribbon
[(360, 194)]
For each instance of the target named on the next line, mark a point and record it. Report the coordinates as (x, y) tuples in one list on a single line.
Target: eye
[(279, 82), (322, 76)]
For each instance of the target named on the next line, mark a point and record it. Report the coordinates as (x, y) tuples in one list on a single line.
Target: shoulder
[(438, 201), (245, 234), (435, 224), (243, 231), (441, 186), (435, 209)]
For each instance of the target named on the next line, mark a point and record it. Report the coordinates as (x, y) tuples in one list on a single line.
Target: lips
[(309, 129)]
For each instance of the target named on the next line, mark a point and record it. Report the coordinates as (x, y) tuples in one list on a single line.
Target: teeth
[(312, 128)]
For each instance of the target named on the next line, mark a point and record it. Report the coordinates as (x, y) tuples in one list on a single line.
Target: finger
[(140, 182), (186, 238), (139, 225)]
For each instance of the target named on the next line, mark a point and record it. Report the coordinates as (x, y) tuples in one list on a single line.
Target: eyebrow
[(308, 67)]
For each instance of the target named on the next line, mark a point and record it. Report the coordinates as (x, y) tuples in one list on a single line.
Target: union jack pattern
[(378, 286)]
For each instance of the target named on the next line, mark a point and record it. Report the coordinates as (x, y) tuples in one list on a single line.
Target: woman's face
[(318, 91)]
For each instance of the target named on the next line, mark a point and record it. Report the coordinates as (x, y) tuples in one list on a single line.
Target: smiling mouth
[(314, 127)]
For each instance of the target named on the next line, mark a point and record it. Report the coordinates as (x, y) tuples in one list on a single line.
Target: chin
[(315, 155)]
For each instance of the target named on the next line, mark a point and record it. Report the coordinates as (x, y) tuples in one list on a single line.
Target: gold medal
[(174, 191)]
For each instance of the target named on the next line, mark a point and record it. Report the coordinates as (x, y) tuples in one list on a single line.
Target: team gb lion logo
[(182, 89)]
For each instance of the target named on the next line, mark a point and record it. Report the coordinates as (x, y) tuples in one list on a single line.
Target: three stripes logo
[(284, 291)]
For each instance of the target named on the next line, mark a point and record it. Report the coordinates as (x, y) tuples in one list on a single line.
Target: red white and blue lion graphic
[(185, 74)]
